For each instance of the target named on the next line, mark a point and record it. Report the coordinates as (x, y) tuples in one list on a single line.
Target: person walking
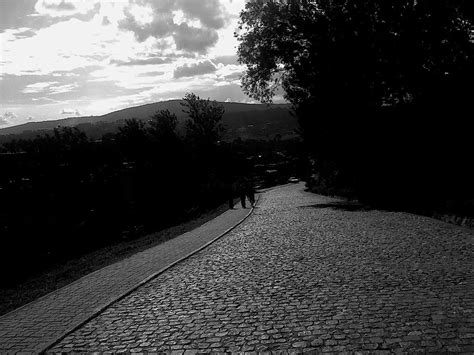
[(250, 192), (242, 192)]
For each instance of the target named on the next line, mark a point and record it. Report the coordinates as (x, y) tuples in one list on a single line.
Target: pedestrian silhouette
[(242, 191), (250, 192)]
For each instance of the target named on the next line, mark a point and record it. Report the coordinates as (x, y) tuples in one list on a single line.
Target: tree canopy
[(367, 80), (204, 126), (163, 127), (362, 52)]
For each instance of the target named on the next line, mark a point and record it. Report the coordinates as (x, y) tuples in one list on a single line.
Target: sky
[(64, 58)]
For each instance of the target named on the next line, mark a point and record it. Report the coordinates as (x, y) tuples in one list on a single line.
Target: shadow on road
[(343, 206)]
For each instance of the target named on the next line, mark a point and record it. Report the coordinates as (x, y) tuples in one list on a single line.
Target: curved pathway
[(304, 273), (39, 324)]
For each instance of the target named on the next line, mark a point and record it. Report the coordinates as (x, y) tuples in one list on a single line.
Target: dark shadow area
[(65, 195), (342, 206), (382, 92)]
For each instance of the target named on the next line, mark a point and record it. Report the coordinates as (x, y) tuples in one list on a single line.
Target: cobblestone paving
[(297, 276), (33, 327)]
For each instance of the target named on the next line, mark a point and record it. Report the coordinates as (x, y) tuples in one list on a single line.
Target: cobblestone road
[(35, 326), (299, 275)]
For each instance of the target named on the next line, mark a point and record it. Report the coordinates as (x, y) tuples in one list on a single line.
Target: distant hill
[(247, 121)]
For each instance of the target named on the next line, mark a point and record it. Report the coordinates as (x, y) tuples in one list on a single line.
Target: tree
[(364, 52), (366, 79), (204, 127), (163, 127), (338, 58), (133, 138)]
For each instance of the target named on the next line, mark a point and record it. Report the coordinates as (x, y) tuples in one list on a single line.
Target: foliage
[(163, 126), (366, 79), (63, 194), (204, 126), (366, 52)]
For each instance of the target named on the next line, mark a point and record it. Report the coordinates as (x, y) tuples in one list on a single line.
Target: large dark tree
[(366, 52), (367, 79)]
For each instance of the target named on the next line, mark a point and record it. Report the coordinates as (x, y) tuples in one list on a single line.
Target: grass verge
[(62, 274)]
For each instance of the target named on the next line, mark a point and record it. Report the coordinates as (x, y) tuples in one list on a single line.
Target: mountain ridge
[(241, 120)]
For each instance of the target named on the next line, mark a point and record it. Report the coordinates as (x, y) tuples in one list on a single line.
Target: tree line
[(63, 194)]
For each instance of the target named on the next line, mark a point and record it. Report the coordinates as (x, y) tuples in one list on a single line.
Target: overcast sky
[(62, 58)]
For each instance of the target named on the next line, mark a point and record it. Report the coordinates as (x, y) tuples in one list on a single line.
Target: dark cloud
[(146, 61), (194, 39), (61, 6), (16, 84), (25, 34), (151, 73), (233, 76), (105, 21), (226, 59), (161, 26), (211, 15), (6, 118), (209, 12), (200, 68), (14, 14)]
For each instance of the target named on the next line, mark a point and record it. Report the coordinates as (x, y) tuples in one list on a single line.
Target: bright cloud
[(38, 87)]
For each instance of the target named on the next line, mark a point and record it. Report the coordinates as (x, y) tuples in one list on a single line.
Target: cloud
[(38, 87), (154, 19), (61, 8), (66, 111), (50, 87), (204, 67), (192, 24), (210, 13), (193, 39), (24, 33), (233, 76), (63, 88), (151, 73), (146, 61), (226, 59), (7, 117), (105, 21)]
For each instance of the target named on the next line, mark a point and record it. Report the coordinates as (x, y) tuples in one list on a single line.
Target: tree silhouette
[(368, 53), (204, 126), (366, 79), (133, 139), (163, 127)]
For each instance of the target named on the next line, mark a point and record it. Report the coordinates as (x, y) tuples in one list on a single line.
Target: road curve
[(305, 273)]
